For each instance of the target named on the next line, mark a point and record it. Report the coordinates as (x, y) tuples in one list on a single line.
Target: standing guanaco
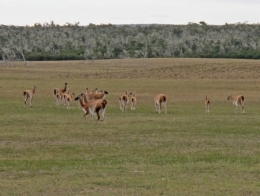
[(159, 101), (28, 96)]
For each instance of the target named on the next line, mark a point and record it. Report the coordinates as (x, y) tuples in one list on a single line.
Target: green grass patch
[(49, 150)]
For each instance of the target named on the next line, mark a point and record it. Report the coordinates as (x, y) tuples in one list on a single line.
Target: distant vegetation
[(73, 42)]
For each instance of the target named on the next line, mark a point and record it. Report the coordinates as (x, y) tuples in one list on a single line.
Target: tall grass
[(49, 150)]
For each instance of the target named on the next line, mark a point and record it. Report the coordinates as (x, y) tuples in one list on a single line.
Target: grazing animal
[(92, 107), (207, 104), (58, 98), (58, 94), (95, 91), (133, 100), (237, 101), (124, 100), (96, 95), (28, 96), (67, 97), (159, 101), (88, 91)]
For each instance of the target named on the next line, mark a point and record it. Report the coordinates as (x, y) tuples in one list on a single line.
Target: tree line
[(50, 41)]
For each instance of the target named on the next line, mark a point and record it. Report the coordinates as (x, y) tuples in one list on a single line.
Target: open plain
[(51, 150)]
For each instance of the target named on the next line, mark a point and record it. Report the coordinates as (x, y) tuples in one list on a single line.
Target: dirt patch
[(140, 68), (186, 69)]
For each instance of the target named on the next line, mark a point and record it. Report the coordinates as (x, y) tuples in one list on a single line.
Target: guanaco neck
[(65, 88), (34, 88), (81, 102), (231, 98), (85, 99)]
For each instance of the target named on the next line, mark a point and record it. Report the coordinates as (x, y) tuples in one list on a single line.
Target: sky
[(84, 12)]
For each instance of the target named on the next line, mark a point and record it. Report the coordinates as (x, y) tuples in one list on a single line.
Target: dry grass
[(138, 68)]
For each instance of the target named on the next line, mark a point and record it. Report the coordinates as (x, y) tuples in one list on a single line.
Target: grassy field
[(49, 150)]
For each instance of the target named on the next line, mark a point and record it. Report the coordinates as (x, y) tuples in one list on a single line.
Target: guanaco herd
[(93, 102)]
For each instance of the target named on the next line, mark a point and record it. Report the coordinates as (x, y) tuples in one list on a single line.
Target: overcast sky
[(217, 12)]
